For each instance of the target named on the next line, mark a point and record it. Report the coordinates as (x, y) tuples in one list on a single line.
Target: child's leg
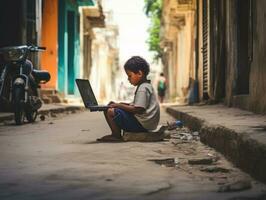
[(160, 99), (109, 116)]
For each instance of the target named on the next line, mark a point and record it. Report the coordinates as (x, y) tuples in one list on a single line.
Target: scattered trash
[(181, 135), (236, 186), (174, 125)]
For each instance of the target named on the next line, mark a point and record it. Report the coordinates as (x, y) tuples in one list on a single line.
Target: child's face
[(134, 78)]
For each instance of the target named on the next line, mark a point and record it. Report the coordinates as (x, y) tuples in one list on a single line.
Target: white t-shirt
[(145, 97)]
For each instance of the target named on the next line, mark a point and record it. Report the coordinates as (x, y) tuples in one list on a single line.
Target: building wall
[(199, 51), (228, 20), (231, 51), (49, 40), (178, 42), (105, 63), (258, 70), (254, 100), (101, 72)]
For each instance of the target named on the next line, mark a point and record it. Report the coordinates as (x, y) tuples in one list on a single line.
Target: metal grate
[(205, 48)]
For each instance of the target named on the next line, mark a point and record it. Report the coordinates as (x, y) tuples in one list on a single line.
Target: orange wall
[(49, 40)]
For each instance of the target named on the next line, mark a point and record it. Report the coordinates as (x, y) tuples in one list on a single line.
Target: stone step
[(48, 92)]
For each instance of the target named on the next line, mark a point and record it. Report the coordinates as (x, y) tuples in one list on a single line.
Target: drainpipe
[(38, 11), (197, 42)]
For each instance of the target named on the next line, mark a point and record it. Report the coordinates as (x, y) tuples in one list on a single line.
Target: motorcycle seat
[(41, 75)]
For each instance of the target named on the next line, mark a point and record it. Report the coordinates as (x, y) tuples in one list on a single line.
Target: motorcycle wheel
[(18, 106), (31, 116)]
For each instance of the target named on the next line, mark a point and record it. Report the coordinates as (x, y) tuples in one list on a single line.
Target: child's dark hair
[(137, 63)]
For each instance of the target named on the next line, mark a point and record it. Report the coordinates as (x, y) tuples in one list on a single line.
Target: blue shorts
[(127, 121)]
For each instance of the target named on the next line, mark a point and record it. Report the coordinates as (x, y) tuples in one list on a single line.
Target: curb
[(246, 153), (66, 109), (45, 111)]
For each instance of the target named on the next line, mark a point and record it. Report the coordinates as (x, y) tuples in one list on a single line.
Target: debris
[(214, 157), (176, 142), (236, 186), (214, 169), (197, 138), (42, 117), (166, 162), (209, 154), (183, 134), (174, 125), (176, 161), (196, 133), (200, 161)]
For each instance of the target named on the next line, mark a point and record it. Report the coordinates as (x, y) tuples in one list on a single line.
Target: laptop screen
[(86, 92)]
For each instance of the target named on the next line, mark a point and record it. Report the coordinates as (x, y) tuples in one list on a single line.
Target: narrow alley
[(198, 64)]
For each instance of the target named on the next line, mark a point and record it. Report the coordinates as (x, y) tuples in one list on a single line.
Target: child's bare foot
[(110, 138)]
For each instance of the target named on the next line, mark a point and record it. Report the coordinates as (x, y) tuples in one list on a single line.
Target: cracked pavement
[(59, 158)]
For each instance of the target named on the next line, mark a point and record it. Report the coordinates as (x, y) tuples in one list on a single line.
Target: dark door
[(217, 48), (244, 37)]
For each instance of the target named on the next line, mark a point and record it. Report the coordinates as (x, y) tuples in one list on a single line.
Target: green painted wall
[(69, 45)]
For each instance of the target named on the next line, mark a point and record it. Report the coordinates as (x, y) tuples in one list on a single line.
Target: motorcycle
[(20, 83)]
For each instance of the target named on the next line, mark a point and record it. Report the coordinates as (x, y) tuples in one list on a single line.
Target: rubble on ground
[(182, 135)]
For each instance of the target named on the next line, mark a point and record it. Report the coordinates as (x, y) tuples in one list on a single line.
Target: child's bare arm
[(128, 107)]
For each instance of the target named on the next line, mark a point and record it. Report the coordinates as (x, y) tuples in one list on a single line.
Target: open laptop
[(88, 96)]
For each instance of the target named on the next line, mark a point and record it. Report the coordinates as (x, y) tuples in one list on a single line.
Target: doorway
[(243, 45), (71, 50)]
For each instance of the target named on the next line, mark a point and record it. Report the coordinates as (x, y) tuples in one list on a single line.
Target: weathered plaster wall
[(49, 40), (258, 65), (231, 51), (200, 46), (178, 35)]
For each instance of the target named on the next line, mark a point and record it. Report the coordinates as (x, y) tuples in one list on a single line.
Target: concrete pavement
[(240, 135), (59, 158), (47, 109)]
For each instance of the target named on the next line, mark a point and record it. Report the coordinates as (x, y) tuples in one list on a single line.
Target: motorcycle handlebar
[(36, 48), (42, 48)]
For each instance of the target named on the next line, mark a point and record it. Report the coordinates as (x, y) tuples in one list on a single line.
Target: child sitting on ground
[(143, 114)]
